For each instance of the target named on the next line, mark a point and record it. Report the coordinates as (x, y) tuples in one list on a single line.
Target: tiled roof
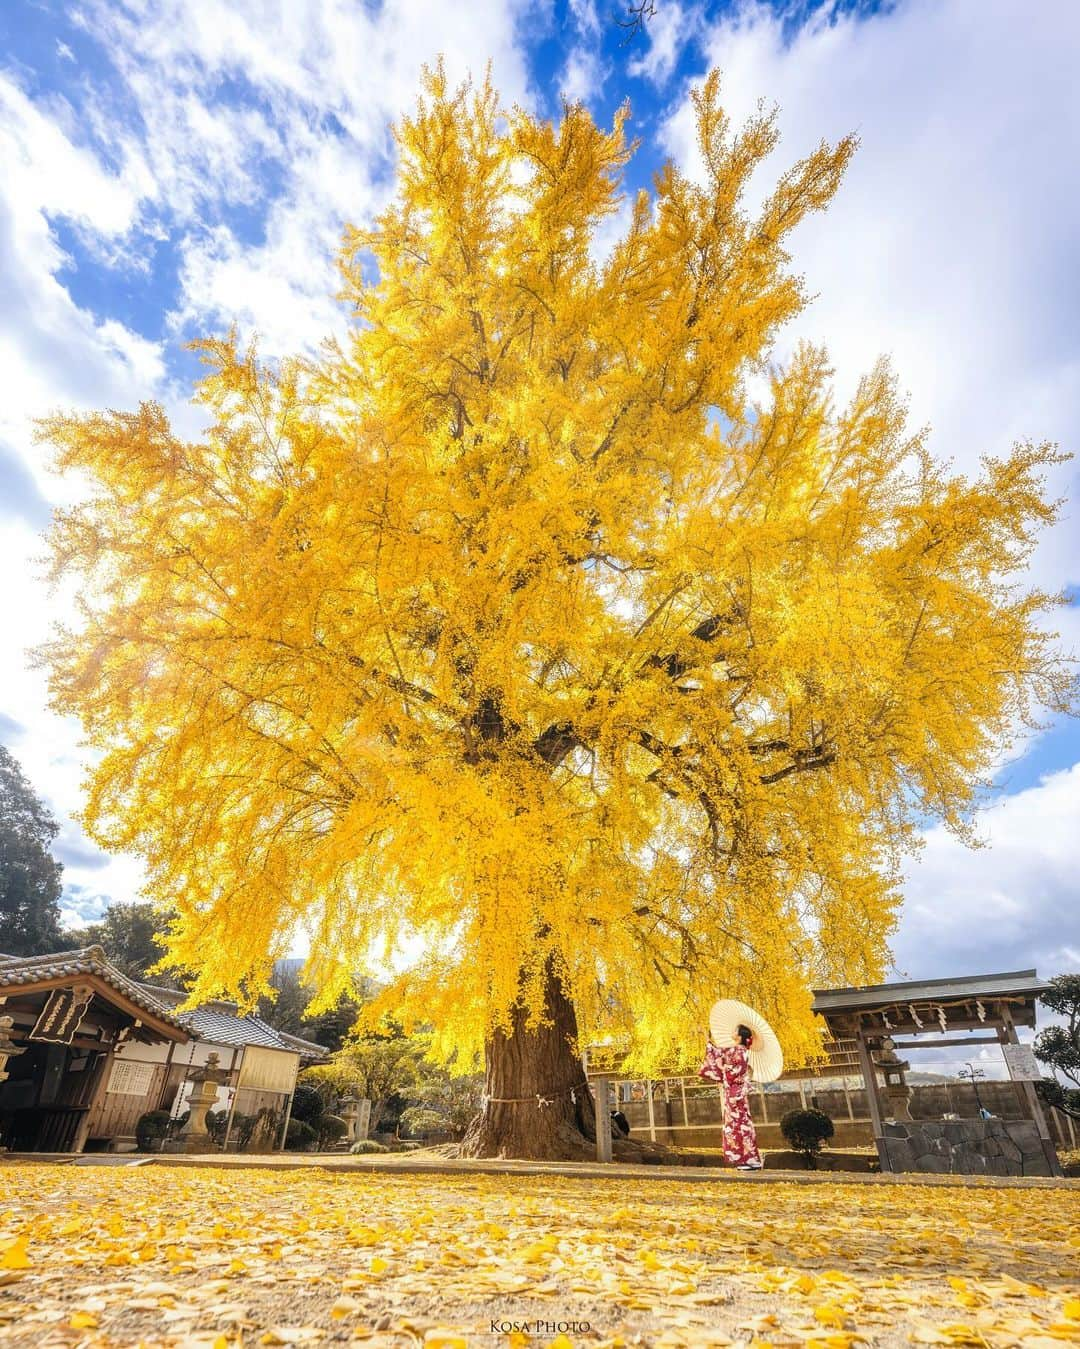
[(16, 971), (218, 1022), (307, 1049), (966, 988), (222, 1023)]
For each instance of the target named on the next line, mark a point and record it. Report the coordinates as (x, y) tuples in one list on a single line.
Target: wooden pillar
[(847, 1099), (764, 1104), (235, 1094), (603, 1118), (103, 1071), (652, 1112), (869, 1073), (685, 1112), (1009, 1035)]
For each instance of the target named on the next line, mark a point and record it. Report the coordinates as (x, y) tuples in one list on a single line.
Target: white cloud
[(317, 87), (585, 17), (1011, 904), (583, 76), (53, 352), (667, 32)]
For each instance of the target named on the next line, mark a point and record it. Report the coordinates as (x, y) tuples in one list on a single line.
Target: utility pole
[(969, 1073)]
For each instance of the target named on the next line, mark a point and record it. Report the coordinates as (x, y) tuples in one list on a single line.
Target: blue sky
[(169, 168)]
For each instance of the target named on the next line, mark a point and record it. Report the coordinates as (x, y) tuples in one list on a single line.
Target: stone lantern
[(893, 1068), (206, 1080), (356, 1112), (8, 1047)]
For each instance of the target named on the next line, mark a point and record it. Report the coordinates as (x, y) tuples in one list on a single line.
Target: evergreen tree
[(133, 937), (30, 883)]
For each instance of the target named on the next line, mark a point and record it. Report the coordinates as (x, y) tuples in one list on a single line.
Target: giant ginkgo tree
[(513, 640)]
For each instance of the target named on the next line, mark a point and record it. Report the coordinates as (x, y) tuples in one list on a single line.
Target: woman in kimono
[(730, 1066)]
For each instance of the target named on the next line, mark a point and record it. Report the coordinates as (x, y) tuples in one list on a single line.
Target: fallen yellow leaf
[(14, 1256)]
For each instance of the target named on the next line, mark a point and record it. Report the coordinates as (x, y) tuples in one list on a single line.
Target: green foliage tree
[(308, 1103), (286, 1009), (30, 882), (151, 1129), (132, 937), (1059, 1046), (421, 1119), (455, 1099), (377, 1067)]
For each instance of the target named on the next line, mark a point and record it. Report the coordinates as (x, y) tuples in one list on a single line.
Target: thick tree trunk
[(536, 1103)]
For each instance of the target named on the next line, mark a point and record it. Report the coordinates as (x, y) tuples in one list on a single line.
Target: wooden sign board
[(62, 1015), (1021, 1062)]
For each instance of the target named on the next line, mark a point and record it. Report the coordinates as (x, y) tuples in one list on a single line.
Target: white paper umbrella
[(766, 1056)]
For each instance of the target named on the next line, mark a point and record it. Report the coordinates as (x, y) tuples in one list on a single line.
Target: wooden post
[(165, 1079), (103, 1069), (802, 1094), (869, 1073), (603, 1119), (1034, 1104), (847, 1099), (764, 1104), (652, 1112), (685, 1112), (235, 1094)]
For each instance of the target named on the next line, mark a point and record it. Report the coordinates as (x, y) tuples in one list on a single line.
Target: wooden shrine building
[(873, 1029), (63, 1018), (86, 1051)]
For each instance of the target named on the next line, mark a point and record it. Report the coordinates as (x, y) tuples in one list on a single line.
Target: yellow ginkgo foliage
[(513, 632)]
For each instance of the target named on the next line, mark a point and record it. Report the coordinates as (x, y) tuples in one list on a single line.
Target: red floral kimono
[(730, 1067)]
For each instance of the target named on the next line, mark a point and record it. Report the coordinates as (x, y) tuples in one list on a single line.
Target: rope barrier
[(540, 1098)]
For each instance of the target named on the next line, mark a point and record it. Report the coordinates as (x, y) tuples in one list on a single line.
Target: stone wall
[(969, 1147)]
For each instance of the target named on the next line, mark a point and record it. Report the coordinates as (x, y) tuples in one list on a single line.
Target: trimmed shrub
[(807, 1131), (299, 1135), (329, 1128), (307, 1103), (150, 1129), (217, 1122), (368, 1145)]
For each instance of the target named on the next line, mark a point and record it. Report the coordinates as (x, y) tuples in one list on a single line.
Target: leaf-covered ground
[(171, 1256)]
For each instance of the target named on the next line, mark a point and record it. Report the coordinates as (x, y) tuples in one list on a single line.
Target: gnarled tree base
[(537, 1104)]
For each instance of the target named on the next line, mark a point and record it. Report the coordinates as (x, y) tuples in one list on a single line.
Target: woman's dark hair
[(746, 1035)]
